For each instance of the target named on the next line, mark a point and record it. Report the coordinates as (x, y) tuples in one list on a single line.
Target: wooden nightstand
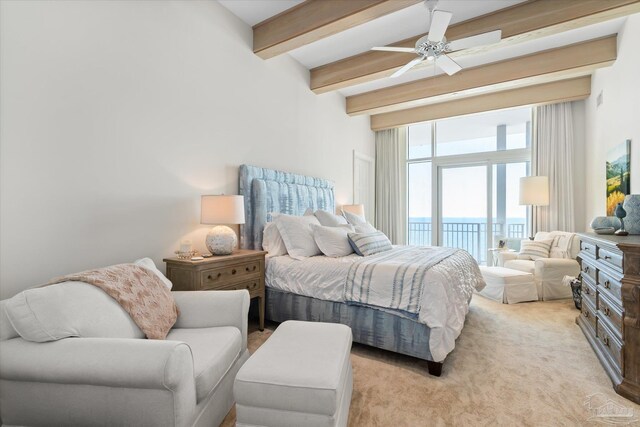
[(243, 269)]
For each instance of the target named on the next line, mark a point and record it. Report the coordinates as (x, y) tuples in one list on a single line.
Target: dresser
[(243, 269), (610, 317)]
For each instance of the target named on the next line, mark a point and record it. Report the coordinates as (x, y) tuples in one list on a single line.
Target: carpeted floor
[(524, 364)]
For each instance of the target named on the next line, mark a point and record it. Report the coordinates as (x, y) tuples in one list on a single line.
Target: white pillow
[(354, 219), (365, 228), (328, 219), (69, 309), (150, 265), (297, 235), (535, 249), (272, 240), (333, 241)]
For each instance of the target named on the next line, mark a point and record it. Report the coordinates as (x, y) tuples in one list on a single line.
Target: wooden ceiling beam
[(547, 93), (522, 22), (542, 67), (315, 19)]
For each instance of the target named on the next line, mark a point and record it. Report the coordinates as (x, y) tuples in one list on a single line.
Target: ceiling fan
[(434, 46)]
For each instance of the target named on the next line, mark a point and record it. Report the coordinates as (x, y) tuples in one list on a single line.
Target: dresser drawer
[(218, 277), (250, 285), (588, 249), (611, 313), (588, 269), (612, 259), (610, 344), (589, 291), (589, 314), (612, 286)]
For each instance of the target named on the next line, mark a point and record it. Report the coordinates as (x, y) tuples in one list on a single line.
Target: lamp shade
[(534, 190), (222, 210), (354, 209)]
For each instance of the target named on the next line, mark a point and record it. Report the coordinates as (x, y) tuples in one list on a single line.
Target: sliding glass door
[(479, 206)]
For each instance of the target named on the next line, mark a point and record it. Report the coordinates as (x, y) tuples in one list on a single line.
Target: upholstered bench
[(300, 377), (508, 286)]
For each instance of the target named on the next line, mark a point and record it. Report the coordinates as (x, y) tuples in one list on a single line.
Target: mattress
[(447, 293)]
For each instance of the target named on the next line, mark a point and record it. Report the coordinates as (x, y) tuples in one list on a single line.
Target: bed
[(317, 288)]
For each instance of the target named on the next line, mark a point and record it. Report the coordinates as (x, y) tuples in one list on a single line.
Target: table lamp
[(217, 210), (354, 209), (534, 191)]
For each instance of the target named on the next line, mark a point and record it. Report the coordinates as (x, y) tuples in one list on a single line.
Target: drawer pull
[(587, 291), (246, 269), (607, 311), (586, 248), (586, 313), (605, 340), (233, 271), (607, 284), (586, 269), (607, 257)]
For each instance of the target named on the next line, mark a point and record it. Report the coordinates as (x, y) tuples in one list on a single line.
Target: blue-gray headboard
[(269, 190)]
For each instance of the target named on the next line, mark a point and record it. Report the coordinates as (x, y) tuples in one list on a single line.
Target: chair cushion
[(214, 350), (302, 367), (69, 309), (525, 265), (501, 276), (535, 249)]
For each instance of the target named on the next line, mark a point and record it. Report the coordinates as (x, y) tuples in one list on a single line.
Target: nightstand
[(243, 269)]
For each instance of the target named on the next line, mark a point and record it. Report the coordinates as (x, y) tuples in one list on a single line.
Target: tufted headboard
[(269, 190)]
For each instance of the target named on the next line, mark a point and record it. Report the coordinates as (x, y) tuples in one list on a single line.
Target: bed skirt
[(369, 326)]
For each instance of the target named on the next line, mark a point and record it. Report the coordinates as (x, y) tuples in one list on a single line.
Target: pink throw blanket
[(139, 291)]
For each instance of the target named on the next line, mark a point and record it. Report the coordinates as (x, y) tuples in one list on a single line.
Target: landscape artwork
[(618, 175)]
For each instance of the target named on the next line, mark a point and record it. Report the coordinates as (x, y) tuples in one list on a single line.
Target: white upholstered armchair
[(548, 272), (185, 380)]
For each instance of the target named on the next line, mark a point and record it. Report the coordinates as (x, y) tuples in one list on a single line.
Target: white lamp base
[(221, 240)]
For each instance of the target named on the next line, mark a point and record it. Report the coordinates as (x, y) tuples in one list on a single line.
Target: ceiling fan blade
[(439, 24), (447, 64), (394, 49), (407, 67), (473, 41)]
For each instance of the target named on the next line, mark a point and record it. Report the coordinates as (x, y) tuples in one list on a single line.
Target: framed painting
[(618, 175)]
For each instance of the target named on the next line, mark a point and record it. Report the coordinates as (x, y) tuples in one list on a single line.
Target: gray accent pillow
[(365, 244)]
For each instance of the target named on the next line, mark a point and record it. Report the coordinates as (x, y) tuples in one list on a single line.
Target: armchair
[(185, 380), (548, 272)]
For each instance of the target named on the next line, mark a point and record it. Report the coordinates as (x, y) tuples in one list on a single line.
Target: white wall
[(117, 116), (617, 119)]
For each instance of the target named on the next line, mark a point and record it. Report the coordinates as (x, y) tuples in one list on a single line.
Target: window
[(463, 180)]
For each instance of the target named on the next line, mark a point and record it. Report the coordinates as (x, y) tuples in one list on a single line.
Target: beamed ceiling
[(548, 50)]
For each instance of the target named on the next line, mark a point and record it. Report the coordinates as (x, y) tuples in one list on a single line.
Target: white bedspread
[(444, 304)]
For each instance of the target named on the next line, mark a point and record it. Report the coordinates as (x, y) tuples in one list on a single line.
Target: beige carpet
[(522, 364)]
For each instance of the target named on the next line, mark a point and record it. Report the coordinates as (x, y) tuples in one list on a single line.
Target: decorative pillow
[(69, 309), (333, 241), (328, 219), (365, 244), (272, 240), (149, 264), (297, 235), (535, 249)]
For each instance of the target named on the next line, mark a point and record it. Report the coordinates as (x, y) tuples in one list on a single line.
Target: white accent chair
[(548, 272), (185, 380)]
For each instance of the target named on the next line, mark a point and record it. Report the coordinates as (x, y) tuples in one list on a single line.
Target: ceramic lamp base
[(221, 240)]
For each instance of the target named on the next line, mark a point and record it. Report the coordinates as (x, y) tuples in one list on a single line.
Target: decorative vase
[(621, 213), (632, 206), (221, 240)]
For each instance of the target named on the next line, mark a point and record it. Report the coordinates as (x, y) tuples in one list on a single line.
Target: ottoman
[(300, 377), (508, 286)]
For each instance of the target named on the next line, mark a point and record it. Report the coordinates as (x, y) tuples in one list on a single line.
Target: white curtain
[(553, 157), (391, 184)]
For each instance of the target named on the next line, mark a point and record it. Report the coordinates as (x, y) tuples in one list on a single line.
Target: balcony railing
[(470, 236)]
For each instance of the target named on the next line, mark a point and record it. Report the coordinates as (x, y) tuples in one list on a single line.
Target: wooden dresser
[(610, 317), (243, 269)]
